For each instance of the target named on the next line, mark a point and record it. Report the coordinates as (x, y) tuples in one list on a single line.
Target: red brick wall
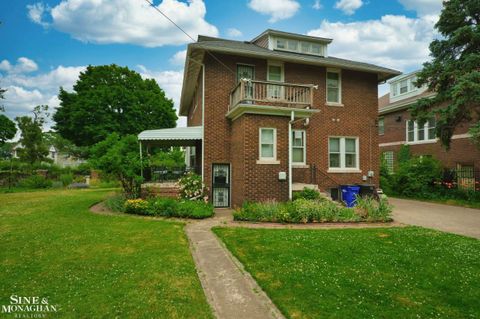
[(462, 151), (252, 181), (195, 112)]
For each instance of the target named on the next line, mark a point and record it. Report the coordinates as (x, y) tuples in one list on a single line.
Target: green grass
[(93, 265), (362, 273)]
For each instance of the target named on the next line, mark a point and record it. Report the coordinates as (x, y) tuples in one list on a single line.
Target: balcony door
[(245, 71), (275, 74)]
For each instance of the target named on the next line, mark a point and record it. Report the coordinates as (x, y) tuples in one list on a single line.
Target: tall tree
[(454, 72), (33, 149), (7, 126), (109, 99)]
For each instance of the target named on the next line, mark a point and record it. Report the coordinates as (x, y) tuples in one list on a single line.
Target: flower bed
[(169, 207), (315, 211)]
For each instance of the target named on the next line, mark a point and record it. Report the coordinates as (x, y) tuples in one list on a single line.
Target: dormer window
[(292, 45), (316, 49), (305, 47), (403, 86), (281, 44)]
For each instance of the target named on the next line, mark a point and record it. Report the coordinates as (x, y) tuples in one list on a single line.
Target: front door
[(221, 185)]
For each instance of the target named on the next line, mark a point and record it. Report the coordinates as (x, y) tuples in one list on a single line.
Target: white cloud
[(348, 6), (25, 91), (393, 41), (179, 58), (23, 65), (127, 21), (317, 5), (36, 12), (276, 9), (234, 33), (170, 82), (423, 7)]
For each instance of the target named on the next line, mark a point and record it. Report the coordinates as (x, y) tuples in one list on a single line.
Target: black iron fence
[(158, 174), (466, 178)]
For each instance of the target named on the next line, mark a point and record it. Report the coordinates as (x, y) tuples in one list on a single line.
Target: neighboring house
[(276, 114), (59, 158), (396, 129)]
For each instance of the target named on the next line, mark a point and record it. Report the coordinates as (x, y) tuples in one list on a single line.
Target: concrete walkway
[(230, 290), (454, 219)]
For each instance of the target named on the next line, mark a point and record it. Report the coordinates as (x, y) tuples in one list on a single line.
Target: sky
[(46, 44)]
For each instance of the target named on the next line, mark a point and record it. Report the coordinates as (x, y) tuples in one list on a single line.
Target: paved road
[(458, 220)]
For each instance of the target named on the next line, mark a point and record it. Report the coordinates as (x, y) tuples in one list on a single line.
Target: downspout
[(292, 118)]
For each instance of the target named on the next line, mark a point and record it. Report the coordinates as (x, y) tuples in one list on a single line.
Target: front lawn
[(407, 272), (92, 265)]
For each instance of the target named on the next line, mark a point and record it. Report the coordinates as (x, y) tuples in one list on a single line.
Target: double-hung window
[(298, 147), (343, 153), (334, 89), (267, 141), (421, 133), (403, 86), (381, 126)]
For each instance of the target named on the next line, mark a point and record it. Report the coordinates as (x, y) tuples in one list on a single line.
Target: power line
[(188, 35)]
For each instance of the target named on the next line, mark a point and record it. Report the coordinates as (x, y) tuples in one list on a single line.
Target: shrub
[(192, 187), (194, 209), (35, 181), (136, 206), (169, 207), (66, 179), (371, 210), (116, 203), (416, 176), (306, 193), (307, 211)]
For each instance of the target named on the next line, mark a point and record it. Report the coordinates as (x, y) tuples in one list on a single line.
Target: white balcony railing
[(272, 93)]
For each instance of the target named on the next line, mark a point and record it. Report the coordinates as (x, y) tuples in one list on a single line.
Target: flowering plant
[(136, 206), (192, 188)]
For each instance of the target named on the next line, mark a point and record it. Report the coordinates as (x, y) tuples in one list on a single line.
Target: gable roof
[(196, 51)]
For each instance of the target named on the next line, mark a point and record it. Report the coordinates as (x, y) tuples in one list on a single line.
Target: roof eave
[(383, 74)]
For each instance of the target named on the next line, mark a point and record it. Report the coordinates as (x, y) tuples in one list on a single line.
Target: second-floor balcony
[(273, 98)]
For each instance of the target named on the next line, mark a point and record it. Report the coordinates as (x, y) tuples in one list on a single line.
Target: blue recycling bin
[(349, 194)]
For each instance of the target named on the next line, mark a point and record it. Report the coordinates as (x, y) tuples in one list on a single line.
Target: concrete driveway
[(453, 219)]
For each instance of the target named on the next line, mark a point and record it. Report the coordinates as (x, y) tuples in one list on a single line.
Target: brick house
[(396, 129), (275, 114)]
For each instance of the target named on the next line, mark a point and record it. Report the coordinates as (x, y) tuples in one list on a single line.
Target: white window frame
[(342, 168), (389, 160), (415, 133), (282, 74), (304, 147), (339, 72), (288, 41), (271, 160)]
